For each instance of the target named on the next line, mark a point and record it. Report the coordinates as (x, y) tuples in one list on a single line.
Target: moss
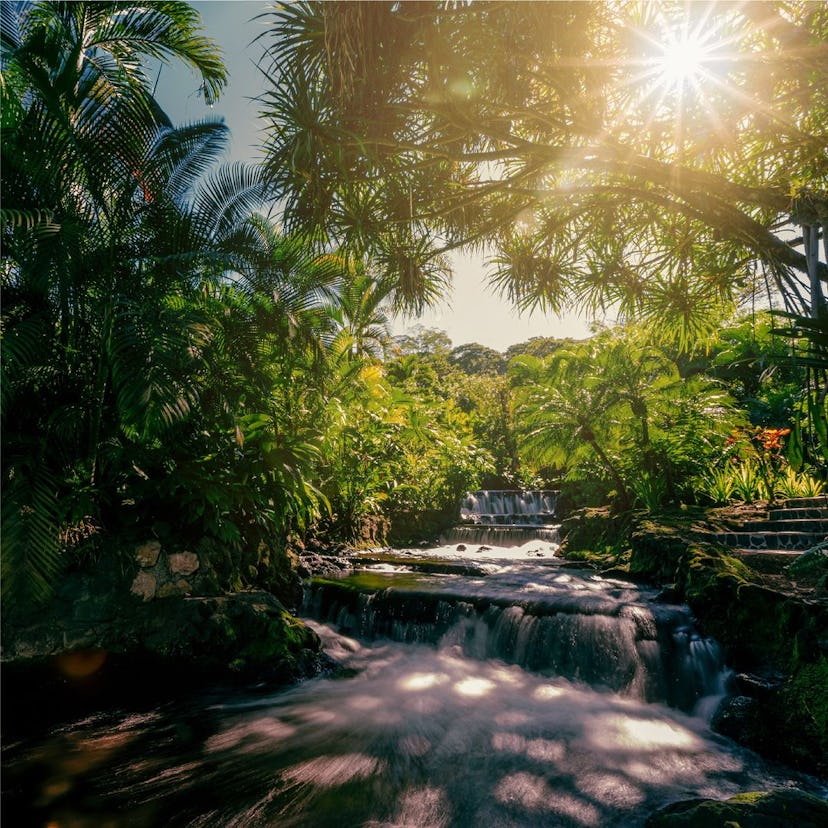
[(811, 568), (374, 581), (596, 535), (657, 551), (804, 707), (702, 568), (773, 809), (749, 796)]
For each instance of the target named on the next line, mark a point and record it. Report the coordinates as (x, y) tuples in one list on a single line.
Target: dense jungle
[(236, 588)]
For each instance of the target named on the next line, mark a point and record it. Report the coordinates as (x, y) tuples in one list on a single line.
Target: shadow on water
[(414, 736)]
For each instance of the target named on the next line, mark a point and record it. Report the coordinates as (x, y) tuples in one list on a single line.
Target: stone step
[(820, 501), (816, 525), (769, 540), (767, 561), (812, 513)]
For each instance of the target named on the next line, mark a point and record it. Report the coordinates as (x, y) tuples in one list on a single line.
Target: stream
[(481, 687)]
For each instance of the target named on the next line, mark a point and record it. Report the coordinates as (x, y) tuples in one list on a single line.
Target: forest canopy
[(658, 159)]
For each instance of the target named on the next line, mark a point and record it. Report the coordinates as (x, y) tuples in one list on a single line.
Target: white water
[(509, 604), (528, 550), (505, 518), (415, 736)]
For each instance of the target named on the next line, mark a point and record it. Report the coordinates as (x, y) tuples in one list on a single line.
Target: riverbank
[(773, 627), (163, 623), (148, 622)]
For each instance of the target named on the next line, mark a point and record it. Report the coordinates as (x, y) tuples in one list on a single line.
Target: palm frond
[(31, 559)]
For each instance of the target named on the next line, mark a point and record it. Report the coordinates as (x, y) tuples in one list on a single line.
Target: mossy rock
[(249, 633), (810, 567), (657, 551), (595, 533), (760, 628), (789, 722), (804, 711), (775, 809)]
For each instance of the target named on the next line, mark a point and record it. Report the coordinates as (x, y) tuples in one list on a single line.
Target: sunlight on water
[(258, 734), (530, 550), (547, 692), (424, 808), (474, 687), (533, 793), (411, 735), (422, 681), (330, 771), (487, 687), (632, 732)]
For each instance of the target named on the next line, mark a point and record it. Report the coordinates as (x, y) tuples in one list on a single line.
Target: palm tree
[(564, 416), (91, 169), (361, 314)]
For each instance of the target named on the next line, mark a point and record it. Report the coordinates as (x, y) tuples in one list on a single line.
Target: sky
[(473, 313)]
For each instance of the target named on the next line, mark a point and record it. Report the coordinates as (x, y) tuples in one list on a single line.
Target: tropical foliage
[(175, 364), (615, 408), (101, 209), (639, 157)]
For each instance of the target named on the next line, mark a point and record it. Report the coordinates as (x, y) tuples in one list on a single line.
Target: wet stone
[(183, 563), (173, 590)]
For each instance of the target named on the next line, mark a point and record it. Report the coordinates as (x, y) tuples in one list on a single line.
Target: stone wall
[(164, 574)]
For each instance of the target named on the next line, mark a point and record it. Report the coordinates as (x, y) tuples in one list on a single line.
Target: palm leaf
[(31, 559)]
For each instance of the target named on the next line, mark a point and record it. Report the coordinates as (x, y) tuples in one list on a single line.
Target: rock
[(740, 718), (172, 590), (147, 554), (310, 564), (183, 563), (758, 687), (461, 547), (783, 720), (484, 548), (775, 809), (144, 586), (812, 564), (669, 594), (60, 670)]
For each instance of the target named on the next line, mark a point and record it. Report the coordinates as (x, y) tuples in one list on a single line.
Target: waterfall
[(570, 627), (505, 517)]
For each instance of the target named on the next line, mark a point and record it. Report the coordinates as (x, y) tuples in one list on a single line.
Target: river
[(494, 687)]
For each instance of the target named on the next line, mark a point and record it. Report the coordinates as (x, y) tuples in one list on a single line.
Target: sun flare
[(681, 62)]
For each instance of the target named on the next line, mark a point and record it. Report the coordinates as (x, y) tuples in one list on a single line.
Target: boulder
[(811, 565), (147, 554), (144, 586), (781, 808), (183, 563)]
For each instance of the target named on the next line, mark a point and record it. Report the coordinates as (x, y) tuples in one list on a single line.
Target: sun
[(681, 62), (679, 53)]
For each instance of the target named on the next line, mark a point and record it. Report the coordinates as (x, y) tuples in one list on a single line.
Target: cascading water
[(494, 688), (605, 633), (505, 518)]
